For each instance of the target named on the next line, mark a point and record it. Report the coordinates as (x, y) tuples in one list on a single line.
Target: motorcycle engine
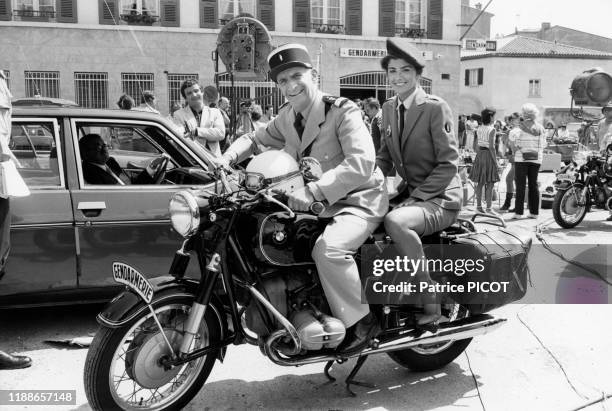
[(299, 298)]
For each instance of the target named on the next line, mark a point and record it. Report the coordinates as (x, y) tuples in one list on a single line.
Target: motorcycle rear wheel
[(433, 356), (566, 212), (121, 369)]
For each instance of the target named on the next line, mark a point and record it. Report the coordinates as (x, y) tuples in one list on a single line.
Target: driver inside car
[(100, 168), (331, 130)]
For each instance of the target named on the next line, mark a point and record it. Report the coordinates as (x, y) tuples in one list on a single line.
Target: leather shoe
[(11, 362), (363, 332)]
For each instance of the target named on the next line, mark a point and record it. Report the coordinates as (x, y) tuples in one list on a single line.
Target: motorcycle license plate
[(566, 177), (130, 277)]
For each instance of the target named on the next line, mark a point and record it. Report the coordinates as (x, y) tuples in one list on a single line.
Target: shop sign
[(480, 45), (374, 53)]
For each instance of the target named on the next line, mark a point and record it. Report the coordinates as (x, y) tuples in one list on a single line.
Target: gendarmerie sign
[(363, 53)]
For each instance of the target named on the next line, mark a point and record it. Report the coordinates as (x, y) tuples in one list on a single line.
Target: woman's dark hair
[(384, 63), (487, 115)]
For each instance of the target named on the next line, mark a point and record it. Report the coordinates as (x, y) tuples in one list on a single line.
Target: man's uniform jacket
[(425, 156), (211, 129), (339, 140)]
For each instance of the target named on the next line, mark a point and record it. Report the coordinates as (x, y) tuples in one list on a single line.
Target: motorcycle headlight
[(184, 213)]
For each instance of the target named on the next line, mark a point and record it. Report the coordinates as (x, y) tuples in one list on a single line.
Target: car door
[(129, 223), (43, 242)]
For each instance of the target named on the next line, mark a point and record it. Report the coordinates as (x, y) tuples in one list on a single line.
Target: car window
[(134, 146), (34, 144)]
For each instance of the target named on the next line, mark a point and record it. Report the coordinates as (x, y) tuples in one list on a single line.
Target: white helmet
[(276, 170)]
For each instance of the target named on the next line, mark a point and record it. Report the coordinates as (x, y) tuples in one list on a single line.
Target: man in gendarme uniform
[(331, 130)]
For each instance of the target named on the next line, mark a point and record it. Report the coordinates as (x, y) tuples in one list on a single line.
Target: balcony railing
[(143, 19), (327, 28), (408, 32), (35, 14)]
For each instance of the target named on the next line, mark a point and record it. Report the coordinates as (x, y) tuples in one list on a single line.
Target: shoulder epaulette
[(432, 97), (336, 101)]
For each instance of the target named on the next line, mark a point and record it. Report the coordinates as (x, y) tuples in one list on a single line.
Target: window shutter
[(170, 13), (386, 19), (480, 76), (467, 77), (109, 11), (5, 9), (434, 20), (353, 17), (208, 14), (265, 13), (301, 15), (66, 11)]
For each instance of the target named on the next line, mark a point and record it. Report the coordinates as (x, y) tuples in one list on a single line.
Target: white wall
[(451, 12), (87, 12), (190, 14), (283, 15), (369, 18)]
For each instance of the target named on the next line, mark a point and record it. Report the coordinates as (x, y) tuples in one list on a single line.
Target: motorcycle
[(159, 339), (581, 185)]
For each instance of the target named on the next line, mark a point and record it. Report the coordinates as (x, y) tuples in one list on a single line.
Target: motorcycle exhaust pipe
[(457, 330)]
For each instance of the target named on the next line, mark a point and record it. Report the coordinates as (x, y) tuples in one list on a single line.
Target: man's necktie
[(299, 128)]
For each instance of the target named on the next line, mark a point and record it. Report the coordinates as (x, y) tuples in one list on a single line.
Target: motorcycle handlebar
[(315, 208)]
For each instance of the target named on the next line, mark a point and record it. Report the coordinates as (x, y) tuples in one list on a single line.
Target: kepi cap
[(287, 56), (404, 49)]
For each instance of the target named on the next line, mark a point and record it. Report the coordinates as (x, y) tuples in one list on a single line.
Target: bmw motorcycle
[(159, 339), (581, 185)]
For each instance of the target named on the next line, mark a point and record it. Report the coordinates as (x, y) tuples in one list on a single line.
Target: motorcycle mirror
[(311, 169)]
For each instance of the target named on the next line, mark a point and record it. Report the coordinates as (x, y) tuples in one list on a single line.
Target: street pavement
[(547, 356)]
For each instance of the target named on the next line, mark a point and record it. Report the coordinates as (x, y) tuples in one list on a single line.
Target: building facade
[(92, 51), (475, 23), (571, 37), (524, 70)]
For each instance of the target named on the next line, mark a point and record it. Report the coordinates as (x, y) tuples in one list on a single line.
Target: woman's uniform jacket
[(339, 139), (211, 129), (425, 156)]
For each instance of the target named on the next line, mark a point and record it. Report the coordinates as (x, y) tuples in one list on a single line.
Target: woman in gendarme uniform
[(484, 172), (528, 141)]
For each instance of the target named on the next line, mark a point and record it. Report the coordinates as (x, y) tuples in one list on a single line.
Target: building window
[(140, 11), (42, 83), (327, 16), (233, 8), (37, 9), (474, 77), (535, 88), (91, 89), (410, 18), (174, 87), (134, 84)]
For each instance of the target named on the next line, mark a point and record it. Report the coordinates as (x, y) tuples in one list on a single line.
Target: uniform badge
[(388, 131), (447, 127)]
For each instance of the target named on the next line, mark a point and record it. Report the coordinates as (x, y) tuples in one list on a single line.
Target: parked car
[(67, 233)]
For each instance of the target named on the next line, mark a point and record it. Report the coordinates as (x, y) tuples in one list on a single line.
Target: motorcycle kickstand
[(328, 366), (349, 380)]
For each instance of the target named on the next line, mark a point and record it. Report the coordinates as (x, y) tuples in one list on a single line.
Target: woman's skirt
[(484, 169)]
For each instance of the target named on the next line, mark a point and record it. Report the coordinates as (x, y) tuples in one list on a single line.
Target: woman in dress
[(484, 172)]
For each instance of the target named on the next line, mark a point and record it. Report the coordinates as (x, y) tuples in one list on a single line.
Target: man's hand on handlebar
[(301, 199)]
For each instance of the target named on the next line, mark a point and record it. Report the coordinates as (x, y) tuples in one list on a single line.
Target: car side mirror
[(311, 169)]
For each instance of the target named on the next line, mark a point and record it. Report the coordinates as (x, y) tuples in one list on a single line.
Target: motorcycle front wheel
[(428, 357), (566, 210), (122, 369)]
